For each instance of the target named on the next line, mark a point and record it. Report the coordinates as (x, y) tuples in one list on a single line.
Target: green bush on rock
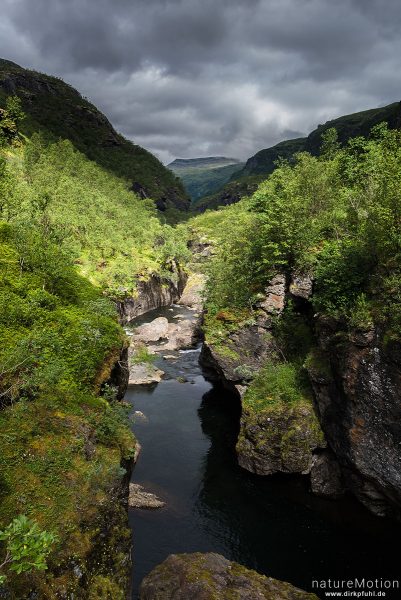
[(26, 546)]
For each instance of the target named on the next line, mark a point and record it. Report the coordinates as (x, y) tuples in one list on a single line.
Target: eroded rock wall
[(153, 293)]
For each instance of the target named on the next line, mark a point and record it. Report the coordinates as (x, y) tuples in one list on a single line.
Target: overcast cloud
[(188, 78)]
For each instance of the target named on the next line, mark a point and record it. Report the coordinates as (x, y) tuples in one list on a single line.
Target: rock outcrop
[(325, 476), (192, 296), (210, 576), (356, 380), (140, 498), (153, 293), (245, 350), (279, 439)]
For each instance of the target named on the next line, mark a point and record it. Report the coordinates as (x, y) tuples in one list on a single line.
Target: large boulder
[(279, 438), (144, 374), (210, 576), (152, 332)]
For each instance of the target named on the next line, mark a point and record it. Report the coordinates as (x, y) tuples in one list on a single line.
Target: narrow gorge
[(200, 367), (229, 479)]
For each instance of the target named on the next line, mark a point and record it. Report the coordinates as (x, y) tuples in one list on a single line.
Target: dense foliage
[(115, 237), (26, 546), (61, 444), (336, 217), (58, 111), (64, 438)]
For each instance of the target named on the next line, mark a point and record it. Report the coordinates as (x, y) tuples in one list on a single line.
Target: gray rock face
[(153, 331), (154, 293), (274, 301), (359, 403), (192, 295), (211, 577), (301, 286), (248, 350), (326, 478)]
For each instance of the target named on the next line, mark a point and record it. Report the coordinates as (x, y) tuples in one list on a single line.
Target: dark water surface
[(273, 524)]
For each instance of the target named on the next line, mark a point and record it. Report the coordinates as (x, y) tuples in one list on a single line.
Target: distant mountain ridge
[(347, 126), (202, 163), (204, 176), (56, 110), (245, 181)]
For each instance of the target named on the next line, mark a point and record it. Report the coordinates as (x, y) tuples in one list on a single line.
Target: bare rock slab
[(210, 576), (144, 374), (139, 498), (153, 331)]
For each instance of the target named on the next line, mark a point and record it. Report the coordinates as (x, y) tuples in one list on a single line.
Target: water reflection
[(274, 524), (271, 524)]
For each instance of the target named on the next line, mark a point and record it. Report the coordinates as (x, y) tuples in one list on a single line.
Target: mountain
[(347, 126), (204, 176), (230, 193), (263, 163), (57, 110)]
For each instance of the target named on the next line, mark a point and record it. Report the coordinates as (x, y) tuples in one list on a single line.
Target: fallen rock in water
[(144, 374), (183, 334), (210, 576), (140, 417), (139, 498), (153, 331), (278, 438)]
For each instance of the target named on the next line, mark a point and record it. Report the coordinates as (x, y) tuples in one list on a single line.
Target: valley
[(218, 338)]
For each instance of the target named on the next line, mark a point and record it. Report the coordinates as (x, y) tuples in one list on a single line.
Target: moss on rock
[(213, 577)]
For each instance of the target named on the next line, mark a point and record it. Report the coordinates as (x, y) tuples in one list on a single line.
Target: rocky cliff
[(153, 293), (347, 435), (356, 379)]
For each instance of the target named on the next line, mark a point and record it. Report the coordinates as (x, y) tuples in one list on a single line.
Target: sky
[(190, 78)]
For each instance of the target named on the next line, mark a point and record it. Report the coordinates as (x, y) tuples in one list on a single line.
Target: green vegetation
[(65, 440), (26, 546), (335, 217), (277, 384), (203, 177), (142, 355), (61, 444), (57, 111), (230, 193), (264, 162), (114, 236)]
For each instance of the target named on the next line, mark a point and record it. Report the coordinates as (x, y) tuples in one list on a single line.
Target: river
[(272, 524)]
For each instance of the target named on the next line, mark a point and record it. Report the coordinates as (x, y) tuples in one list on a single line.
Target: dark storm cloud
[(189, 78)]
